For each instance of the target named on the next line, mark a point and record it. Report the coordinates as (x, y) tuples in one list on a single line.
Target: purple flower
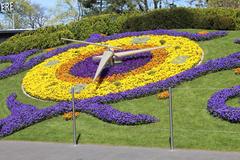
[(24, 115), (217, 104), (19, 63), (88, 67)]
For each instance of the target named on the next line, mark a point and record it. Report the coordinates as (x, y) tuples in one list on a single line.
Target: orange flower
[(63, 72), (203, 32), (69, 115), (163, 95), (237, 70), (49, 49)]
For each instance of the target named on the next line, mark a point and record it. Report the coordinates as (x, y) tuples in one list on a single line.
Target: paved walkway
[(12, 150)]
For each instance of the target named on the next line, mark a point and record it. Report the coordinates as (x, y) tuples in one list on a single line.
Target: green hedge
[(210, 18), (41, 41), (105, 24)]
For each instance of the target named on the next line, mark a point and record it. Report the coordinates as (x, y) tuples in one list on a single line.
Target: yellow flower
[(182, 54)]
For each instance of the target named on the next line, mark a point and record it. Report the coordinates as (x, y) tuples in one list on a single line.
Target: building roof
[(14, 31)]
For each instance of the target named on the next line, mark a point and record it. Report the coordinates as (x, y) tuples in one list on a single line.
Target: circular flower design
[(88, 67), (54, 78)]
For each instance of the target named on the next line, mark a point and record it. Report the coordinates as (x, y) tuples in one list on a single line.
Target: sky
[(52, 3), (45, 3)]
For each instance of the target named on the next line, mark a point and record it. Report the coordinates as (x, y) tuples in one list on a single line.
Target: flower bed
[(217, 104), (54, 78), (17, 63), (23, 115)]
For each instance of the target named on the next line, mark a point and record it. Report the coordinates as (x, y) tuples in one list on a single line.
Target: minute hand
[(128, 53), (91, 43)]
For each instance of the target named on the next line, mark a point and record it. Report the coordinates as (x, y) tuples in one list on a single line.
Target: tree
[(157, 3), (224, 3), (107, 6), (120, 6), (20, 7), (92, 7), (41, 16), (26, 15), (66, 11), (198, 3), (143, 5), (35, 16)]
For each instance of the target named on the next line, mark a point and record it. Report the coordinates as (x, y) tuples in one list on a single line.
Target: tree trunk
[(140, 6), (146, 5), (101, 5), (160, 4), (155, 2)]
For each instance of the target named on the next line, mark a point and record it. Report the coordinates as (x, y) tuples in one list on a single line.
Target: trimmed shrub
[(176, 18), (40, 41), (105, 24)]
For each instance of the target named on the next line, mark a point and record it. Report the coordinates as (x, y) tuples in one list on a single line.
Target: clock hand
[(91, 43), (128, 53), (107, 55)]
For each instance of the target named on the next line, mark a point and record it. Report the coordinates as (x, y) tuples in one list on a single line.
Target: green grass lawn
[(194, 127)]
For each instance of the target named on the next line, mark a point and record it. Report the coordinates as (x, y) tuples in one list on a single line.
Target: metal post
[(171, 139), (74, 118)]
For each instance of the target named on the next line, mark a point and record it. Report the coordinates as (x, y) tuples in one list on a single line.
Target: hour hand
[(106, 57)]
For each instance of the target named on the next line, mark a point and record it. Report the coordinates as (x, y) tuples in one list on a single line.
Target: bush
[(219, 19), (40, 41), (81, 29), (105, 24)]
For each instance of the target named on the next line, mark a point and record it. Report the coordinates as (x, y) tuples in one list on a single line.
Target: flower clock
[(52, 76)]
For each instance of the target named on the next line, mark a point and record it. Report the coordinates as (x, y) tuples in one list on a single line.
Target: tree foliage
[(198, 3), (65, 11), (26, 14), (118, 6), (35, 16), (224, 3)]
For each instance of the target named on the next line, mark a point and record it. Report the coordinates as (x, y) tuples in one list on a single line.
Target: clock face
[(54, 78)]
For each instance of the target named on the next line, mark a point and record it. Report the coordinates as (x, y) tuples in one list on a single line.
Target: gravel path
[(20, 150)]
